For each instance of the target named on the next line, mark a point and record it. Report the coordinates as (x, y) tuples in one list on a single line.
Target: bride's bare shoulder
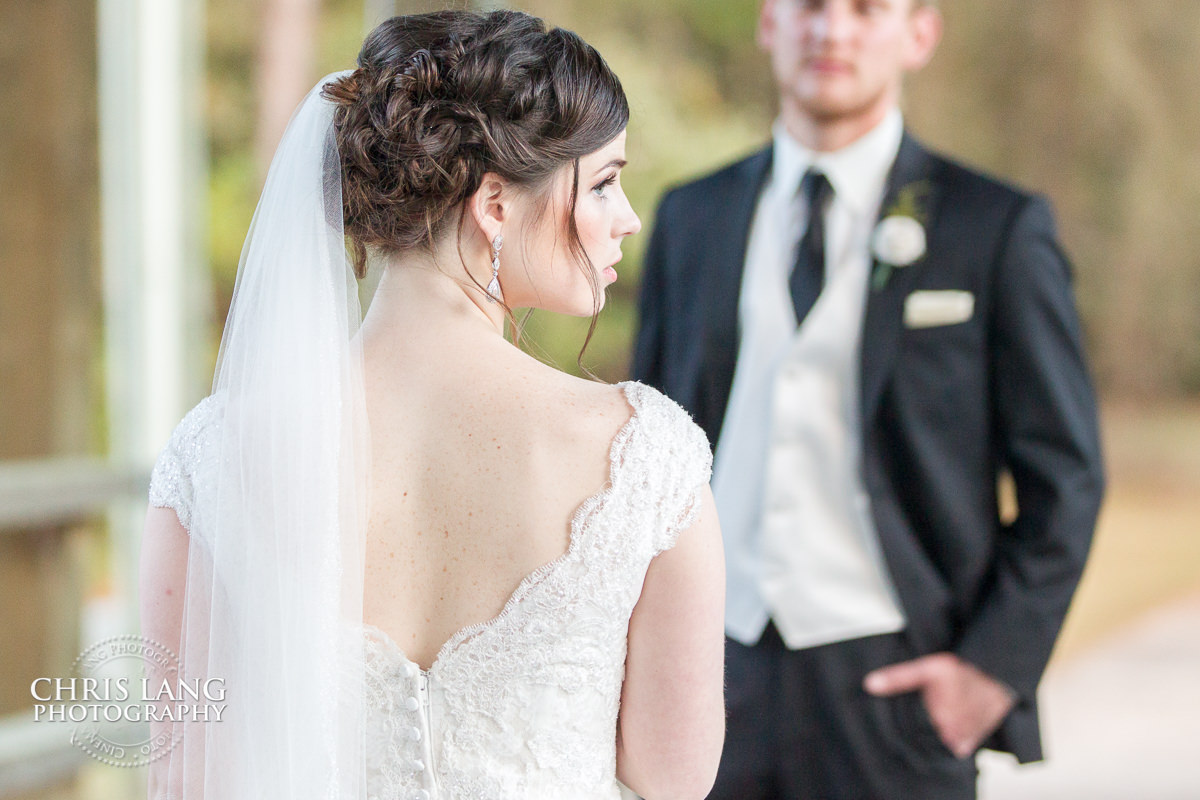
[(576, 409)]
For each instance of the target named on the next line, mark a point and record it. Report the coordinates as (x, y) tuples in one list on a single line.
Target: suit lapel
[(885, 306), (724, 264)]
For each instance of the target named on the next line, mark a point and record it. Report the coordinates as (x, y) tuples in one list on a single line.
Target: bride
[(422, 563)]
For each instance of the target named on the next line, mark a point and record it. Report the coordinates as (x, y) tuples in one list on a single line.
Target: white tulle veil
[(274, 591)]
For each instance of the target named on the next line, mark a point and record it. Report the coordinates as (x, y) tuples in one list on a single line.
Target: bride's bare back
[(480, 457)]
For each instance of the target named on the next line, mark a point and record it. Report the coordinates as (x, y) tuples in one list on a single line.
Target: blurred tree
[(50, 309), (1088, 101)]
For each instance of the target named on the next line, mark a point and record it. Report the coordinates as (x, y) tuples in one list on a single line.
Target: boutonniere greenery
[(899, 238)]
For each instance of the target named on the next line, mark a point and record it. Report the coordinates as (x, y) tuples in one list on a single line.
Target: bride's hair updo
[(440, 99)]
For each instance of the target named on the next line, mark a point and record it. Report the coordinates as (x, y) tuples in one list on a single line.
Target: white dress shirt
[(800, 543)]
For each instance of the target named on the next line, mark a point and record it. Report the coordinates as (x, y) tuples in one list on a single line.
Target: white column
[(152, 213), (156, 289)]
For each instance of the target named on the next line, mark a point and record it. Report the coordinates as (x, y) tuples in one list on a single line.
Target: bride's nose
[(628, 223)]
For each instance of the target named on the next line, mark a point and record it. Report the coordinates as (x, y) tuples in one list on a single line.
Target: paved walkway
[(1121, 720)]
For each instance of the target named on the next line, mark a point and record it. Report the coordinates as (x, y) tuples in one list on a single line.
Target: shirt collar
[(857, 172)]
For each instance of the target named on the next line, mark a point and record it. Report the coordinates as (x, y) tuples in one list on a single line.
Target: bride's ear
[(491, 205)]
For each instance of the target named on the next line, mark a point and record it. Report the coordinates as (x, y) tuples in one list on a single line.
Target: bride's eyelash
[(602, 185)]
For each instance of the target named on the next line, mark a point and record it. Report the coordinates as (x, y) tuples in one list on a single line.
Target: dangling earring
[(493, 288)]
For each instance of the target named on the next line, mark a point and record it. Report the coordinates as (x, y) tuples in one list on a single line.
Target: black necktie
[(808, 275)]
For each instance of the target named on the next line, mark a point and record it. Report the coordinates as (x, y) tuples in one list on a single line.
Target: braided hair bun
[(440, 99)]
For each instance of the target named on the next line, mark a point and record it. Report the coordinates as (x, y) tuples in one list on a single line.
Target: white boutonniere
[(899, 238)]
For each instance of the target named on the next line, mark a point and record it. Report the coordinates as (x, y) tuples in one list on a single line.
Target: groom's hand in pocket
[(964, 703)]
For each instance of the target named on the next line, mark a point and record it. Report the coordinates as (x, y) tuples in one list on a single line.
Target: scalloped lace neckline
[(583, 512)]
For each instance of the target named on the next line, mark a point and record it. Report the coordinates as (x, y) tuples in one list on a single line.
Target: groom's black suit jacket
[(945, 410)]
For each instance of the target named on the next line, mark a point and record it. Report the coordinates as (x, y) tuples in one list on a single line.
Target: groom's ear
[(765, 34), (489, 207), (925, 31)]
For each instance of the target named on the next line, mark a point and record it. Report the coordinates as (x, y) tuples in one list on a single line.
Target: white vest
[(800, 543)]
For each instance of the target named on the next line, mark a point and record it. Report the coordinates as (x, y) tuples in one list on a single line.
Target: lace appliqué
[(172, 482)]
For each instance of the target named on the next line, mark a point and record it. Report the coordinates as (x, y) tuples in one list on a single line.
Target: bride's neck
[(421, 292)]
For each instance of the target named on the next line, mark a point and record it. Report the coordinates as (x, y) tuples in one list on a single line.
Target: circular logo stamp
[(117, 679), (126, 699)]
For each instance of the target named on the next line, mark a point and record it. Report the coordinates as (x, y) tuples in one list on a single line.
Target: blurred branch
[(286, 55), (56, 490)]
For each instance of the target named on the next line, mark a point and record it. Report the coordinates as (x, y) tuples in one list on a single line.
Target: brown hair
[(440, 99)]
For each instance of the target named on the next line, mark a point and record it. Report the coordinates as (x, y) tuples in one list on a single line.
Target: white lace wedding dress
[(523, 706)]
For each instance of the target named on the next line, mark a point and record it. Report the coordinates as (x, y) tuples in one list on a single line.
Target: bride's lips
[(609, 272)]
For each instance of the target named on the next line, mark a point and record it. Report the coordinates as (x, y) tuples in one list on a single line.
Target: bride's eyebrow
[(616, 162)]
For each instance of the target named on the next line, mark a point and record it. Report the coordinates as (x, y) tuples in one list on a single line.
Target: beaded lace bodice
[(523, 705)]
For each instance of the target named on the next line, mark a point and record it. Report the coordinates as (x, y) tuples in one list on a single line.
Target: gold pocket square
[(929, 309)]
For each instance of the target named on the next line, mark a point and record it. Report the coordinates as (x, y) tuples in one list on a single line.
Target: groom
[(875, 337)]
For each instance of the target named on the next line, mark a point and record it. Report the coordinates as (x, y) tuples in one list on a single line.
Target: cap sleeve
[(677, 464), (172, 483)]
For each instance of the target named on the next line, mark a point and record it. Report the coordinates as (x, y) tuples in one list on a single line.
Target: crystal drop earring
[(493, 288)]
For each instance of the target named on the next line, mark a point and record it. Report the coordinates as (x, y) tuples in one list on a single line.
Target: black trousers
[(801, 727)]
